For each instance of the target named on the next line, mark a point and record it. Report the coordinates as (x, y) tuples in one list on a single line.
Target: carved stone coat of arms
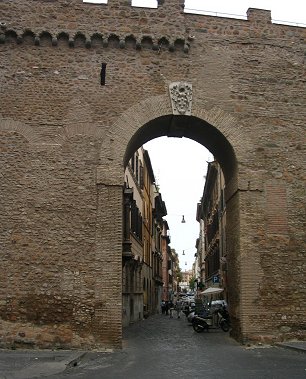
[(181, 98)]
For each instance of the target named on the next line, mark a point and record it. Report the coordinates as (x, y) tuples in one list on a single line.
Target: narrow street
[(160, 347)]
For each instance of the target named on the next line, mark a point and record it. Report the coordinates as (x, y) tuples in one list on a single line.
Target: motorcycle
[(219, 318)]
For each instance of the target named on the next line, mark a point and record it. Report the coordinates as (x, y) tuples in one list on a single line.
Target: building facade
[(171, 268), (166, 265), (142, 255), (211, 214), (158, 249), (187, 276)]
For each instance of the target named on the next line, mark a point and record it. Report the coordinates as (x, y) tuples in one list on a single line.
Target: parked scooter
[(188, 308), (219, 318)]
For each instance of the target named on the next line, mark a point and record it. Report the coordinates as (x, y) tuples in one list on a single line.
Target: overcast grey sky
[(179, 166)]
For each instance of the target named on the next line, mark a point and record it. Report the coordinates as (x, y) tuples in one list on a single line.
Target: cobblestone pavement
[(163, 348)]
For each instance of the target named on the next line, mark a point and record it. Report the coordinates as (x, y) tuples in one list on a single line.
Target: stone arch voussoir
[(9, 125), (83, 129), (28, 132), (129, 122), (141, 113), (228, 125)]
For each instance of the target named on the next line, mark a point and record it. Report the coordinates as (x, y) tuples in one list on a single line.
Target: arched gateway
[(214, 129), (66, 138)]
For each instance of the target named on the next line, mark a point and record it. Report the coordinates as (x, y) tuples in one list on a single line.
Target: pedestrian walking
[(171, 308), (178, 308), (163, 307), (167, 307)]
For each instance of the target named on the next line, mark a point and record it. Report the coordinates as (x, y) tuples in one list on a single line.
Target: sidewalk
[(26, 364)]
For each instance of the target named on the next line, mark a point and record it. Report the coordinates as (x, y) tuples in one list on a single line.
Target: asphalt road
[(163, 348)]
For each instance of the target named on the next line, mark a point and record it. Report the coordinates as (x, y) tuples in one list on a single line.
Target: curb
[(294, 346)]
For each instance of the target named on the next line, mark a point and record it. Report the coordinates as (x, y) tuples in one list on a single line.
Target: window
[(133, 162), (136, 170), (136, 221), (141, 181)]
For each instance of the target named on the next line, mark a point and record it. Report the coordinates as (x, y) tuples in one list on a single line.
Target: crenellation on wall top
[(118, 23), (179, 4), (175, 4), (259, 15)]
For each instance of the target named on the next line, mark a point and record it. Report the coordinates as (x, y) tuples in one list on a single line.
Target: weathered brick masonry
[(65, 140)]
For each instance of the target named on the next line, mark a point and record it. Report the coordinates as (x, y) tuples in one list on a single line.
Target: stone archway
[(225, 138)]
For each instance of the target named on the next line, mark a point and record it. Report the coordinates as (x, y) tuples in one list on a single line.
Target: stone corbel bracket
[(79, 39)]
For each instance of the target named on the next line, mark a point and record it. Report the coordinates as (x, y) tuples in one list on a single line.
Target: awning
[(211, 291)]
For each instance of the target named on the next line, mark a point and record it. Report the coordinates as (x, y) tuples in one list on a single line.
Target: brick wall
[(64, 139)]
